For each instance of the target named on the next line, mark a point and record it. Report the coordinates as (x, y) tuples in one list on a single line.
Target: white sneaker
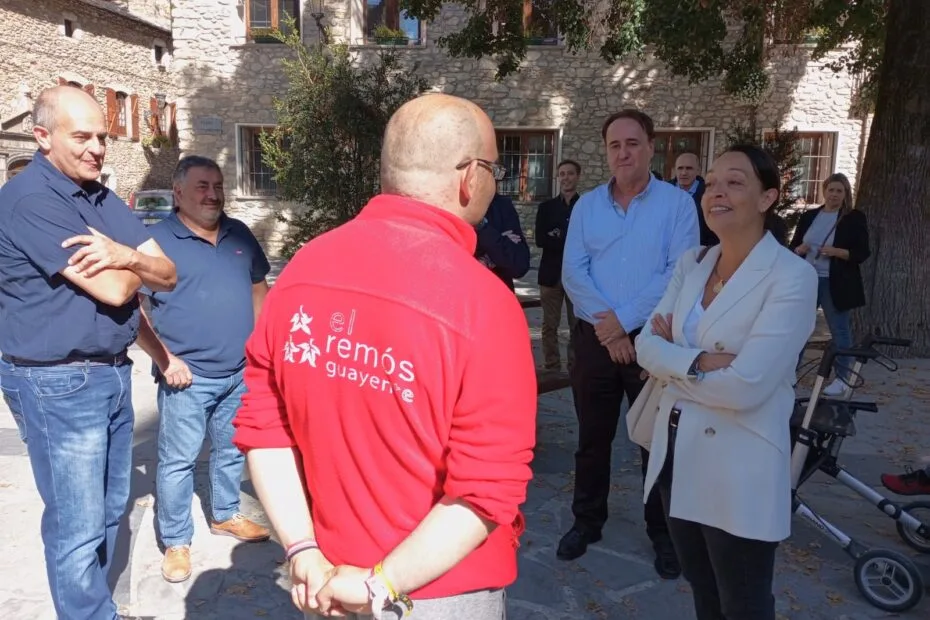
[(837, 389)]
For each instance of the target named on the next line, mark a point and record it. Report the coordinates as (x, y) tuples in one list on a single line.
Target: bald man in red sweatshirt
[(390, 416)]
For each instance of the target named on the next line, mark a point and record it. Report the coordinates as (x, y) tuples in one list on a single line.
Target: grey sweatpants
[(482, 605)]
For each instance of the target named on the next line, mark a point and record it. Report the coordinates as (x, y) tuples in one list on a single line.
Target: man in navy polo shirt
[(202, 327), (72, 257)]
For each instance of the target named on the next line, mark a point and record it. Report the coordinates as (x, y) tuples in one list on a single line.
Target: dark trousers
[(598, 388), (730, 577)]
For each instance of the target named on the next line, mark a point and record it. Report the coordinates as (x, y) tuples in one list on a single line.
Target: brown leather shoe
[(176, 567), (242, 529)]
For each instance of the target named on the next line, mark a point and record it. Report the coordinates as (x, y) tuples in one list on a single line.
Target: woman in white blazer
[(723, 343)]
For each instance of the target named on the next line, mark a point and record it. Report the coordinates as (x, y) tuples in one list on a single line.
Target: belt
[(665, 475), (76, 360)]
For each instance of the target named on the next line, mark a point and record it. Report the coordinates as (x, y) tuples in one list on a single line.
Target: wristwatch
[(694, 372)]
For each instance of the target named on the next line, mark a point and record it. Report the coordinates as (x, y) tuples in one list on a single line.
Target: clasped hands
[(707, 362), (327, 590), (614, 338), (826, 250)]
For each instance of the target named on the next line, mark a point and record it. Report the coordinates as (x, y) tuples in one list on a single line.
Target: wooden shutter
[(154, 125), (391, 14), (112, 113), (134, 108), (173, 122), (89, 89)]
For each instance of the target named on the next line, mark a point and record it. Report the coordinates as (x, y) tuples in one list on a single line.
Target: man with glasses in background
[(502, 248)]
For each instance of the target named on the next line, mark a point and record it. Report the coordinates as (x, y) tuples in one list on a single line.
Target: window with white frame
[(386, 23), (671, 143), (817, 151), (256, 178), (264, 17), (122, 110), (538, 25), (529, 157)]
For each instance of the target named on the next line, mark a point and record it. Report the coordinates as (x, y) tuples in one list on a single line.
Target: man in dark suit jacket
[(551, 228), (501, 244), (688, 178)]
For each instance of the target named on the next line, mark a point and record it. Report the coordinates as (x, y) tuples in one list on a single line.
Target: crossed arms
[(52, 235)]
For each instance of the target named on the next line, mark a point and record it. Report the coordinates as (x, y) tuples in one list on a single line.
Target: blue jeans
[(838, 322), (77, 423), (208, 405)]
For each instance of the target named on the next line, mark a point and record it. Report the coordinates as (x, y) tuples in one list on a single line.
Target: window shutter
[(391, 14), (172, 123), (134, 107), (154, 125), (89, 89), (112, 112)]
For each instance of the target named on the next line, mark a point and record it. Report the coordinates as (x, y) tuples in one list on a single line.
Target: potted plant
[(264, 35), (156, 141), (535, 36), (384, 35)]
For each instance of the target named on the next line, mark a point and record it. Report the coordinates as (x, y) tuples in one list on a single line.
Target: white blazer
[(733, 449)]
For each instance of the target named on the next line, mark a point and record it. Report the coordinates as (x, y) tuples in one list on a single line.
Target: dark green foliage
[(326, 149), (687, 35)]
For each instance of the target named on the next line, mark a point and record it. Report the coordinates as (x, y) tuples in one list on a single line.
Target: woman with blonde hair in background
[(834, 238)]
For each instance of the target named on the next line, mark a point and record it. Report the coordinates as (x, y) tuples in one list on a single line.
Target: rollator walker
[(887, 579)]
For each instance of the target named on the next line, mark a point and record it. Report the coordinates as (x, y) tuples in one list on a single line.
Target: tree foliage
[(326, 148), (698, 39), (782, 145)]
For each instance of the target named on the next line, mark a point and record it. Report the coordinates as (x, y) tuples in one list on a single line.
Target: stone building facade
[(120, 53), (226, 77)]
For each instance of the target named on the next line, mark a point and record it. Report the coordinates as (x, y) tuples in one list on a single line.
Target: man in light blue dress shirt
[(623, 241)]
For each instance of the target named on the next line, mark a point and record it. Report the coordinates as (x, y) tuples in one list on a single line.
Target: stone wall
[(224, 79), (106, 51), (221, 75), (573, 94)]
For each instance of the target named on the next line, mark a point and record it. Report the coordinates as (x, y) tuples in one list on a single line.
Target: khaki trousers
[(551, 298)]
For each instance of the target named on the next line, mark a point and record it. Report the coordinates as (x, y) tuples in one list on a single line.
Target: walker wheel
[(921, 512), (889, 580)]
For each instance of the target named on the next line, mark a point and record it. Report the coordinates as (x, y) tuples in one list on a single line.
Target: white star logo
[(301, 321), (309, 352), (290, 349)]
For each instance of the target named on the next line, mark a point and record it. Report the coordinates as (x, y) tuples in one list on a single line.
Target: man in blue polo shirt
[(202, 327), (72, 257)]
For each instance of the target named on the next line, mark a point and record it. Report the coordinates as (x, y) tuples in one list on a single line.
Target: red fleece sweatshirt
[(401, 368)]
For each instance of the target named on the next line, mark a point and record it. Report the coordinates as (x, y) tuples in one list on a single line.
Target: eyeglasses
[(497, 170)]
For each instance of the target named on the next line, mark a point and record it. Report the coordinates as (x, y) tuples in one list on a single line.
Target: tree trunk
[(894, 191)]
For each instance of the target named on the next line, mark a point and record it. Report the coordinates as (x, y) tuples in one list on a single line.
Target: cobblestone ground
[(615, 579)]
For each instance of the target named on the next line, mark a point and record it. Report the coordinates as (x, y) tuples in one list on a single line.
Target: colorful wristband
[(300, 546), (393, 595)]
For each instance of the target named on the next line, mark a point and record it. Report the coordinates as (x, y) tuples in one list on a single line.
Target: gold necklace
[(716, 288)]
